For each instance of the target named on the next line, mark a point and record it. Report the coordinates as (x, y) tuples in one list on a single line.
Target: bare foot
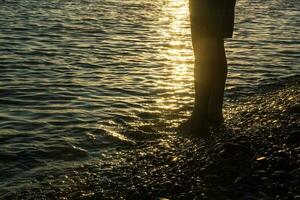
[(194, 126)]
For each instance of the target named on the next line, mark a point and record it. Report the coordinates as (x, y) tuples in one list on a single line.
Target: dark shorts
[(212, 18)]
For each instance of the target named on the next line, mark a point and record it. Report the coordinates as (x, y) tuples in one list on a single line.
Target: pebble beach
[(255, 155)]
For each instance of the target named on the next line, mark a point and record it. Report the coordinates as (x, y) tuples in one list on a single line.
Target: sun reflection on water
[(178, 52)]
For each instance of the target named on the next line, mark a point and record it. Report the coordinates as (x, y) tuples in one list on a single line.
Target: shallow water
[(80, 79)]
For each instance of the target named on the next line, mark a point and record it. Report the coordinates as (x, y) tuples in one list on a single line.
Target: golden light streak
[(178, 52)]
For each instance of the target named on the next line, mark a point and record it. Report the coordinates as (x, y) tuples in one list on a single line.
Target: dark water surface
[(80, 79)]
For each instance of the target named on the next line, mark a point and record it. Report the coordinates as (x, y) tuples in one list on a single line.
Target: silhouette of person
[(211, 22)]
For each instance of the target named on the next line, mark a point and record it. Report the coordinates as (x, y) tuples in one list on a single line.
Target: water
[(80, 79)]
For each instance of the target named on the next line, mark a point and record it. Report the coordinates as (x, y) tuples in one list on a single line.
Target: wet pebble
[(294, 137), (280, 175)]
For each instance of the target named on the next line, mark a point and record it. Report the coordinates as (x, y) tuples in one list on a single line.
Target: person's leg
[(215, 107), (211, 21), (206, 50)]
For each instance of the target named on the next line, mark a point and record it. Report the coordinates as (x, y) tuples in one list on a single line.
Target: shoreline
[(256, 155)]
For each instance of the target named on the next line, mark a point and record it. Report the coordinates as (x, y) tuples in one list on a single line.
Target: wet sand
[(256, 155)]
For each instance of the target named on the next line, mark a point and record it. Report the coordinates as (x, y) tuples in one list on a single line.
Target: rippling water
[(81, 78)]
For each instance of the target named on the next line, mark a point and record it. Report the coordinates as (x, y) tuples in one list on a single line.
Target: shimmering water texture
[(81, 79)]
